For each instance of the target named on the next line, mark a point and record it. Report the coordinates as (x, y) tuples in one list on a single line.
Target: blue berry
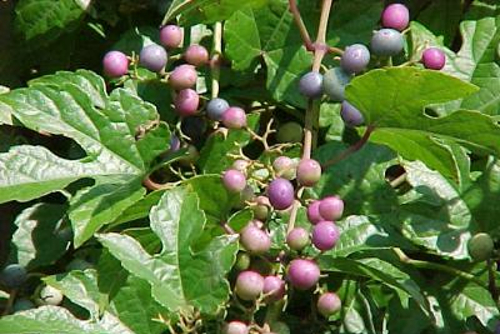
[(153, 57), (311, 85), (355, 58), (216, 107), (334, 83), (13, 276), (387, 42), (351, 115)]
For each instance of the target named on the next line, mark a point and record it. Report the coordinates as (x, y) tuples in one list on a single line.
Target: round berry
[(351, 115), (387, 42), (331, 208), (355, 58), (328, 304), (274, 288), (290, 132), (311, 85), (194, 127), (183, 76), (186, 102), (433, 59), (235, 327), (334, 83), (196, 55), (396, 16), (261, 209), (13, 276), (308, 172), (297, 239), (216, 108), (153, 57), (171, 36), (254, 240), (50, 296), (242, 262), (303, 274), (234, 181), (325, 235), (175, 143), (481, 247), (115, 64), (234, 118), (22, 304), (280, 193), (249, 285), (313, 213), (284, 167)]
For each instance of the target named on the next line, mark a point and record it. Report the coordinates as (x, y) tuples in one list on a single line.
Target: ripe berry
[(303, 274), (311, 85), (334, 83), (313, 213), (387, 42), (284, 167), (175, 143), (290, 132), (351, 115), (297, 239), (254, 240), (274, 288), (331, 208), (281, 194), (115, 64), (234, 180), (216, 107), (433, 59), (325, 235), (235, 327), (171, 36), (396, 16), (13, 276), (194, 127), (50, 296), (196, 55), (234, 118), (355, 58), (183, 76), (22, 304), (153, 57), (308, 172), (328, 304), (249, 285), (186, 102), (481, 247)]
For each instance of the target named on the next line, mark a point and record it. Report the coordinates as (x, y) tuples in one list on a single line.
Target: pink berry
[(183, 76), (255, 240), (433, 59), (325, 235), (234, 118), (396, 16), (281, 193), (171, 36), (274, 288), (297, 239), (115, 64), (331, 208), (313, 213), (303, 274), (308, 172), (241, 165), (234, 181), (328, 304), (284, 167), (196, 55), (187, 102), (235, 327), (249, 285)]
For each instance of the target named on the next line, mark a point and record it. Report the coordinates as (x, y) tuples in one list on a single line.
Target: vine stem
[(492, 285), (10, 302), (216, 58)]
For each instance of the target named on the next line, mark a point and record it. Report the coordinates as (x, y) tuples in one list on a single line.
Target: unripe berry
[(242, 262), (355, 58), (50, 296), (249, 285), (115, 64), (351, 115), (274, 288), (234, 181), (183, 76), (387, 42), (328, 304), (254, 240), (433, 59), (396, 16), (331, 208), (280, 193), (171, 36), (311, 85), (334, 83), (303, 274), (22, 304), (481, 247), (186, 102), (191, 156), (290, 132), (234, 118), (235, 327), (325, 235), (308, 172), (216, 108), (284, 167), (13, 276), (261, 209), (313, 213), (153, 57), (241, 165), (196, 55), (297, 239)]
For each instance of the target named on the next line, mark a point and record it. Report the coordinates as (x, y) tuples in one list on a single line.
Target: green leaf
[(442, 17), (133, 40)]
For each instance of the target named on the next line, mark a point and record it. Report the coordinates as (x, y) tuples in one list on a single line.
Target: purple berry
[(334, 83), (175, 143), (355, 58), (183, 76), (187, 102), (311, 85), (196, 55), (351, 115), (308, 172), (313, 213), (234, 180), (254, 240), (249, 285), (328, 304), (303, 274), (280, 193), (234, 118), (331, 208), (284, 167), (235, 327), (297, 239), (153, 57), (396, 16), (325, 235), (115, 64), (171, 36), (274, 288), (433, 59), (387, 42), (216, 108)]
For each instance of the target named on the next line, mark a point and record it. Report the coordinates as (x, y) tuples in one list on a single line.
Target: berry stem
[(300, 24), (215, 61), (492, 285), (10, 302)]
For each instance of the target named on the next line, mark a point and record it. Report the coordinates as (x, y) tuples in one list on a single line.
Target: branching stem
[(216, 58)]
